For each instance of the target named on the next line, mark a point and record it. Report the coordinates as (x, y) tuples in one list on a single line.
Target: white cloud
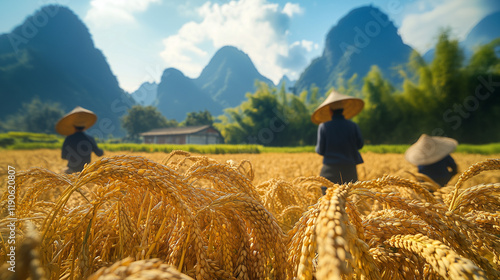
[(104, 13), (257, 27), (290, 9), (296, 58), (420, 29), (307, 45)]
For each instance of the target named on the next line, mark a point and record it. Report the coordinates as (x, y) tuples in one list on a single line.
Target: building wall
[(165, 139), (207, 136), (203, 139)]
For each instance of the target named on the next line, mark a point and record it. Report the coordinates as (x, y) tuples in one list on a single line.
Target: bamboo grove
[(455, 95)]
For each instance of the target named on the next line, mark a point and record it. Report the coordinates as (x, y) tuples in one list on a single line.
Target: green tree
[(446, 69), (271, 117), (198, 118), (300, 129), (258, 120), (36, 116), (481, 104), (430, 90), (350, 87), (444, 98), (379, 116), (485, 59), (140, 119)]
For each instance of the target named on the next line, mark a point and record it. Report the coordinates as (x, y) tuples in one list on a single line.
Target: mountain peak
[(229, 75), (51, 55), (146, 93), (484, 31), (172, 73), (233, 49), (362, 28), (288, 83), (364, 37), (51, 27), (178, 95), (229, 56)]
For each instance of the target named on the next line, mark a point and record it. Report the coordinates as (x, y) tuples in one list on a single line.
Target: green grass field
[(32, 141)]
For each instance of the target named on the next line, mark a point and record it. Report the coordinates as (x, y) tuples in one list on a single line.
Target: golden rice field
[(246, 216)]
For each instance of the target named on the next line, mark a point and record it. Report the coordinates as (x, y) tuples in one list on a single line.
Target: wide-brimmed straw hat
[(351, 105), (79, 117), (430, 149)]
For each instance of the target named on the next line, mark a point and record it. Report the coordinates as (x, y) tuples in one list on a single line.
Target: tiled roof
[(175, 130)]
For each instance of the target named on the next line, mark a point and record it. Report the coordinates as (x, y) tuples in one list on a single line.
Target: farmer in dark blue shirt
[(339, 139), (431, 155), (78, 146)]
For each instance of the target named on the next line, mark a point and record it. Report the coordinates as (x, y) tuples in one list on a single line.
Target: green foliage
[(486, 149), (380, 113), (385, 149), (198, 118), (249, 123), (29, 140), (378, 149), (167, 148), (271, 118), (289, 150), (443, 98), (32, 137), (36, 116), (446, 68), (349, 87), (6, 141), (33, 141), (484, 59), (35, 146), (140, 119)]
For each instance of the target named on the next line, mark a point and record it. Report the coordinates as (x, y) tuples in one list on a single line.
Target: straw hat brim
[(430, 149), (77, 117), (351, 105)]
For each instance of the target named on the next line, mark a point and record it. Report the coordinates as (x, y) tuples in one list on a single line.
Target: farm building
[(205, 134)]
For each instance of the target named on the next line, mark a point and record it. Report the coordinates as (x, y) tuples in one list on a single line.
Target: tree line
[(451, 96)]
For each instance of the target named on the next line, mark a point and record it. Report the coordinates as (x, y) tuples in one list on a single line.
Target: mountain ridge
[(229, 75), (178, 95), (362, 38), (482, 33), (58, 62), (51, 55)]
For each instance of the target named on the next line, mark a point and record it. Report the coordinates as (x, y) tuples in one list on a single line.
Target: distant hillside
[(229, 75), (364, 37), (57, 61), (290, 85), (146, 94), (179, 95), (482, 33), (222, 84)]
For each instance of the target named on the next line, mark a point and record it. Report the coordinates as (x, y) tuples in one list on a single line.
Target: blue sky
[(141, 38)]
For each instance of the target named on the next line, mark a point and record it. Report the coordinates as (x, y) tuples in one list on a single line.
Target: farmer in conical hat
[(431, 154), (339, 138), (78, 145)]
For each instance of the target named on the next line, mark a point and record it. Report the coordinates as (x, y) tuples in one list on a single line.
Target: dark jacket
[(441, 172), (339, 141), (77, 149)]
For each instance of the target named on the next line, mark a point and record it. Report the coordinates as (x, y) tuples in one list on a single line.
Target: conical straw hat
[(430, 149), (351, 105), (77, 117)]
